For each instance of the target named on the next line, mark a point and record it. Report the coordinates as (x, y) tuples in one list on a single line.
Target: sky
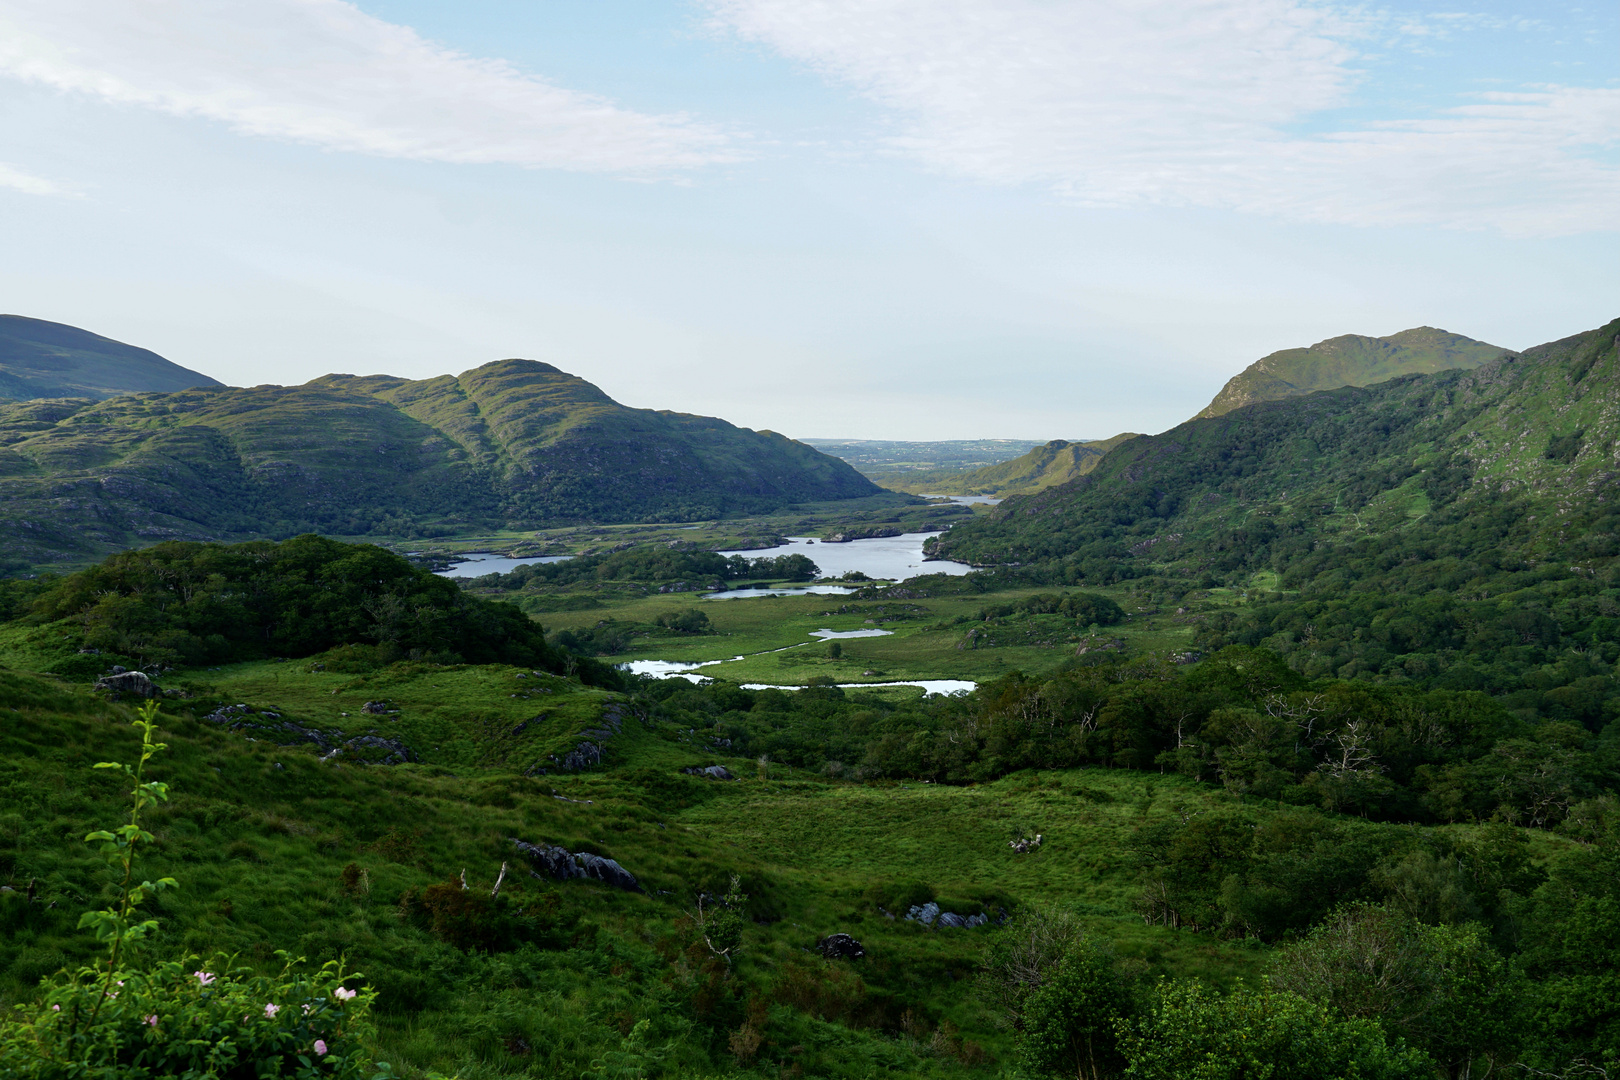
[(881, 219)]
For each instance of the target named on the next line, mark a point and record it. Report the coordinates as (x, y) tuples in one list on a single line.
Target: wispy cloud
[(28, 183), (1197, 103), (325, 73)]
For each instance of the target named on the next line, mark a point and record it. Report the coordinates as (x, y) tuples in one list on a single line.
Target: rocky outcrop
[(712, 772), (548, 862), (840, 947), (264, 724), (133, 683), (593, 744), (929, 914)]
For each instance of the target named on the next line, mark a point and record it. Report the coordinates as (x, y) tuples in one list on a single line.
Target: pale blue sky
[(865, 218)]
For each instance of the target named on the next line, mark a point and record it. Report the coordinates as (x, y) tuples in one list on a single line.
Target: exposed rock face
[(135, 683), (713, 772), (558, 864), (840, 947)]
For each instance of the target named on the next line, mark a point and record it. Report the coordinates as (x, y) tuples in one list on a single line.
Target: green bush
[(1192, 1033), (119, 1021), (188, 1019)]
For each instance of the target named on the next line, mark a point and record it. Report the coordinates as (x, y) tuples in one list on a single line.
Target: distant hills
[(1056, 462), (1513, 463), (1350, 360), (511, 444), (40, 359)]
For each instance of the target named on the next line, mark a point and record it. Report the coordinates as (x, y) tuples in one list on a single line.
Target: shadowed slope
[(513, 443), (40, 359)]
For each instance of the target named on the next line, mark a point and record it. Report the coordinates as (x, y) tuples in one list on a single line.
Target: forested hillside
[(1457, 529), (511, 444)]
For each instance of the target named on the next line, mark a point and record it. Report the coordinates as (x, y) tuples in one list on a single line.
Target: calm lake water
[(892, 558), (966, 500), (478, 564)]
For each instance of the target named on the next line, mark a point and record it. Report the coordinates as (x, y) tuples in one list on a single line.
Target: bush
[(178, 1018)]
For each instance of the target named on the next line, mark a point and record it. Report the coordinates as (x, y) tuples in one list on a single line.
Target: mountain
[(1350, 360), (1056, 462), (40, 359), (1512, 464), (511, 444)]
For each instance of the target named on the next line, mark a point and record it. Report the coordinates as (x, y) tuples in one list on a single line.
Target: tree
[(1443, 988), (1071, 1021), (1192, 1033)]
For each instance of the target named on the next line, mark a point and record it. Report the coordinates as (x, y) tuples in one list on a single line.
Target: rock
[(606, 871), (713, 772), (375, 707), (365, 749), (549, 862), (840, 947), (558, 864), (128, 682), (929, 914), (924, 913)]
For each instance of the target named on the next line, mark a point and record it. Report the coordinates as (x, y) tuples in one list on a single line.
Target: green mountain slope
[(513, 443), (1057, 462), (1515, 461), (1350, 360), (1456, 530), (40, 359)]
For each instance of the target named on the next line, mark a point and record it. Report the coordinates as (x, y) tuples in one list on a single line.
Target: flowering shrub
[(185, 1019), (118, 1021)]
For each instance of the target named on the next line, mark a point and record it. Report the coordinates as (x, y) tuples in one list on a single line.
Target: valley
[(1203, 715)]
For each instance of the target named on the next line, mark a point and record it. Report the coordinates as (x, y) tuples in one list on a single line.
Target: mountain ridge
[(1350, 360), (1056, 462), (1527, 443), (507, 444), (43, 359)]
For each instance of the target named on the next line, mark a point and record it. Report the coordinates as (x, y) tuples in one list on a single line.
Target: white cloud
[(28, 183), (325, 73), (1196, 103)]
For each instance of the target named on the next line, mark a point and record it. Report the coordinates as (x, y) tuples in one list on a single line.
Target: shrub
[(178, 1018)]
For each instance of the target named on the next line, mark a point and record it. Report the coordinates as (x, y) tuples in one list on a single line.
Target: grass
[(926, 639), (259, 835)]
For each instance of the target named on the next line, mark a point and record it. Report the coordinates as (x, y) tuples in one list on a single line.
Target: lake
[(477, 564), (892, 558), (967, 500)]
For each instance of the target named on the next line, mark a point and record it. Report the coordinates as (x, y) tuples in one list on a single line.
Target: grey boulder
[(128, 682)]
